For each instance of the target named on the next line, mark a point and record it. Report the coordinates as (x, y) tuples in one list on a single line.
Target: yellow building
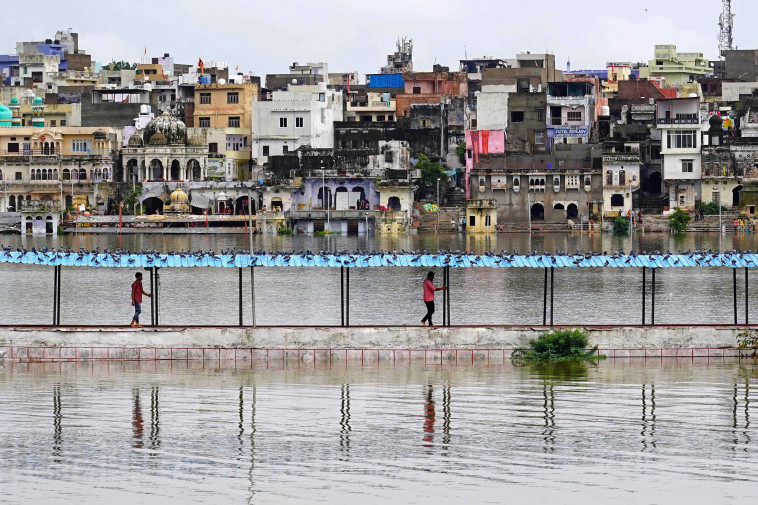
[(153, 71), (226, 108), (481, 216), (41, 165)]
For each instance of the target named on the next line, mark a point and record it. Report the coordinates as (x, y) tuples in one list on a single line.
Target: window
[(233, 97), (468, 153), (63, 122), (12, 147), (622, 177), (81, 146), (298, 122), (587, 183), (416, 90), (380, 118), (388, 157), (540, 115), (687, 166), (517, 116), (285, 149), (265, 150), (53, 122), (390, 117), (282, 122), (572, 182), (366, 119), (234, 122), (18, 176), (684, 139), (425, 123), (322, 97), (575, 116), (205, 98), (213, 147), (609, 177), (472, 220), (205, 122), (539, 138)]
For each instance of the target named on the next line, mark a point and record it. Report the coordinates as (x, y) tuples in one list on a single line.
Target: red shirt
[(137, 291), (428, 291)]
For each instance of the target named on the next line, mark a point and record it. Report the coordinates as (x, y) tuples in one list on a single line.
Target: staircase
[(428, 221), (652, 205)]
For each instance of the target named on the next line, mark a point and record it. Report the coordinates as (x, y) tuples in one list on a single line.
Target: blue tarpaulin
[(53, 258)]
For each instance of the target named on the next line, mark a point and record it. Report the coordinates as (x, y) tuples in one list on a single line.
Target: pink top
[(428, 291)]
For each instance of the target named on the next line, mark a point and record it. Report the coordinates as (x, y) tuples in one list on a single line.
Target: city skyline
[(351, 38)]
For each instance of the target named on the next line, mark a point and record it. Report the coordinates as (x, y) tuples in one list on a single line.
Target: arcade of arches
[(157, 169)]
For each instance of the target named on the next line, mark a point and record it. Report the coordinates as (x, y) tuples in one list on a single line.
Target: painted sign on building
[(568, 132), (216, 169)]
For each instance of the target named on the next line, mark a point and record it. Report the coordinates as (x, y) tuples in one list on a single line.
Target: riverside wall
[(198, 342)]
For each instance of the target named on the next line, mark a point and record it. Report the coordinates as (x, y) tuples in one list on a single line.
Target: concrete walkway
[(84, 342)]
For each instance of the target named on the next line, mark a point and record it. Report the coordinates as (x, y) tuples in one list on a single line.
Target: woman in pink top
[(429, 290)]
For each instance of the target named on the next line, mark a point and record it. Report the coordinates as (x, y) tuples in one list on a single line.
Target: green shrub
[(558, 345), (710, 208), (748, 339), (284, 230), (679, 220), (620, 226)]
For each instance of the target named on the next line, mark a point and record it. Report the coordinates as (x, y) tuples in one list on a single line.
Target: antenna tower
[(726, 23)]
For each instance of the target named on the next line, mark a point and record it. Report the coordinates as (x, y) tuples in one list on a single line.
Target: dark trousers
[(429, 312)]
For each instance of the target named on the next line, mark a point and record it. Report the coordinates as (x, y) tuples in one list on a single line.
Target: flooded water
[(380, 296), (655, 431)]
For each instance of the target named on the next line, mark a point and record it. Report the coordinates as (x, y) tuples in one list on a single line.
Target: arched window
[(622, 177), (55, 175), (44, 174), (66, 174), (609, 177), (33, 174), (617, 200), (82, 175), (75, 175), (52, 147)]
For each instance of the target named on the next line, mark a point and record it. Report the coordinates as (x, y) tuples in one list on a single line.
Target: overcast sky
[(266, 37)]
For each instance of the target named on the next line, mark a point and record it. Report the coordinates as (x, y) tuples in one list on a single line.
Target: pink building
[(479, 142)]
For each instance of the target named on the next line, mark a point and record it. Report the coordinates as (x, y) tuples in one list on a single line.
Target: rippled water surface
[(380, 295), (618, 432)]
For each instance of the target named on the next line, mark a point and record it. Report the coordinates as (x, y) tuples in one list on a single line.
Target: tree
[(679, 220), (460, 150), (430, 171), (121, 65)]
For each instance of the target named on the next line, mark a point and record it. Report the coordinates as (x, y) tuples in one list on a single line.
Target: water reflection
[(345, 420), (648, 418), (57, 418), (138, 424), (548, 406), (217, 445), (429, 417)]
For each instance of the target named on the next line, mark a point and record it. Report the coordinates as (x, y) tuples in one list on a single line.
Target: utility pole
[(437, 229)]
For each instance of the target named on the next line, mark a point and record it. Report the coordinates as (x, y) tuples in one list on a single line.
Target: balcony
[(721, 171), (39, 155), (32, 206), (568, 101), (611, 158), (678, 121)]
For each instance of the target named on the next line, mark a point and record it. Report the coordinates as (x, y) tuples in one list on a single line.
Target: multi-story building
[(300, 116), (223, 116), (370, 107), (621, 177), (570, 112), (53, 167), (674, 68), (680, 126)]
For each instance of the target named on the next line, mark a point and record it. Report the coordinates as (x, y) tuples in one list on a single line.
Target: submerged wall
[(171, 343)]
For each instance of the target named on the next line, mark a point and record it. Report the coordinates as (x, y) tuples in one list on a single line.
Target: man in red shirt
[(137, 292), (429, 290)]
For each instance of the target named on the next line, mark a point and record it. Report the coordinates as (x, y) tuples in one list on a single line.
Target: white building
[(621, 178), (301, 116), (492, 107), (680, 125), (570, 112)]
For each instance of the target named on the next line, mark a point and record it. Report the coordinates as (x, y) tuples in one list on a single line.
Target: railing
[(677, 120), (53, 153), (39, 206)]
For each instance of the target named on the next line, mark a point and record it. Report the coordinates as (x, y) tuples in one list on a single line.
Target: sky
[(356, 35)]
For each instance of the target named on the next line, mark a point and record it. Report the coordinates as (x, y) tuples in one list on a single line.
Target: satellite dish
[(146, 78)]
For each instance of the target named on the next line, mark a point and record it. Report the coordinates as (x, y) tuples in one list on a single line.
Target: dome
[(5, 113), (38, 101), (135, 140), (173, 129), (716, 120), (158, 139), (179, 196), (100, 135), (195, 141), (14, 101)]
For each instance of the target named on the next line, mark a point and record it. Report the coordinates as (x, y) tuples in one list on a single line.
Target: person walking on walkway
[(429, 290), (137, 292)]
